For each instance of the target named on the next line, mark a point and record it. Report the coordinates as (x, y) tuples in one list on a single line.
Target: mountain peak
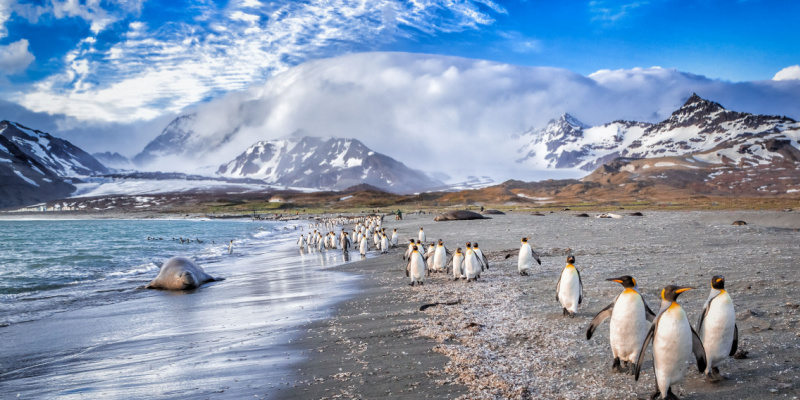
[(566, 118)]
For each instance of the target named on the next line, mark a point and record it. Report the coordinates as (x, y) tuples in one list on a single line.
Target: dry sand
[(507, 338)]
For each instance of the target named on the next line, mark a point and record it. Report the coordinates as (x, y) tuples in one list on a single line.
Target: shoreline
[(507, 338)]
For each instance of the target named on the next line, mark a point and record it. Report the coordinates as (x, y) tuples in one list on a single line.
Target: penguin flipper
[(647, 340), (558, 284), (648, 313), (580, 283), (598, 319), (735, 344), (699, 352), (536, 257)]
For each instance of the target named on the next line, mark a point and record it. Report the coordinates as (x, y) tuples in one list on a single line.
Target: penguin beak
[(683, 289), (614, 280)]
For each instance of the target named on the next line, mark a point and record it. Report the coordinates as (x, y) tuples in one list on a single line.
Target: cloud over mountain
[(456, 115)]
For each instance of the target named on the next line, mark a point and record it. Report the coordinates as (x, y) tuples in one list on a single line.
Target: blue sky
[(67, 63)]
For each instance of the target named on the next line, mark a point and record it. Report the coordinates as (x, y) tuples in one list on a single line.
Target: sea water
[(64, 283)]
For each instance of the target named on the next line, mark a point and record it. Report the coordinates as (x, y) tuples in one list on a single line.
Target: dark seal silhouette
[(739, 223), (459, 215)]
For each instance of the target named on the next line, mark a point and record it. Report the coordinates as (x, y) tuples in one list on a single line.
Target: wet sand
[(507, 338)]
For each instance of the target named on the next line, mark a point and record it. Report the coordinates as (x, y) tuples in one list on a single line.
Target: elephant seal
[(179, 273), (739, 223), (459, 215), (493, 212)]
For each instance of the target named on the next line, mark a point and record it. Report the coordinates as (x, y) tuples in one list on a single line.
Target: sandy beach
[(506, 337)]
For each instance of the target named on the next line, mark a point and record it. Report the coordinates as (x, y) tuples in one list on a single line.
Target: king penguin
[(395, 238), (415, 269), (717, 327), (440, 257), (526, 257), (629, 323), (674, 342), (421, 235), (569, 289), (458, 264), (472, 267)]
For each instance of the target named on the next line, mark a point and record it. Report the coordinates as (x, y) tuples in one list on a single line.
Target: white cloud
[(100, 14), (788, 73), (454, 115), (5, 15), (611, 13), (15, 57), (170, 67)]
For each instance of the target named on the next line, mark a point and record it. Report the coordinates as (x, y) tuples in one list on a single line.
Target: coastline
[(506, 339)]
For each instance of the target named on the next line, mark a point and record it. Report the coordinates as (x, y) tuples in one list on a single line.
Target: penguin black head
[(475, 245), (440, 241), (718, 282), (469, 244), (571, 259), (420, 228), (458, 250), (671, 292), (627, 281), (524, 240), (415, 248)]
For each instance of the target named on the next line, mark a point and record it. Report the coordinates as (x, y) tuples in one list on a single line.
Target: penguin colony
[(634, 327)]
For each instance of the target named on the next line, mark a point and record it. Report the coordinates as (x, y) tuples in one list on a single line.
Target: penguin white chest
[(525, 257), (629, 326), (569, 290), (471, 266), (417, 267), (672, 347), (717, 330), (458, 265), (439, 258)]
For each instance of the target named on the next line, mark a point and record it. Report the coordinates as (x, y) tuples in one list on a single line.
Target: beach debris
[(447, 303), (741, 354)]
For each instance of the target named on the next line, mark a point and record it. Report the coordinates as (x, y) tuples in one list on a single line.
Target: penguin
[(630, 320), (472, 266), (230, 247), (364, 246), (440, 257), (409, 249), (302, 242), (717, 328), (481, 257), (421, 235), (415, 268), (569, 289), (674, 342), (395, 238), (458, 264), (526, 257), (344, 240), (429, 256), (384, 243)]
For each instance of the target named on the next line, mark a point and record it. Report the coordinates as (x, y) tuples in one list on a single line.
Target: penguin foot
[(523, 273), (455, 279), (411, 284), (632, 369), (714, 376), (615, 367), (655, 395), (572, 315), (563, 312), (670, 395)]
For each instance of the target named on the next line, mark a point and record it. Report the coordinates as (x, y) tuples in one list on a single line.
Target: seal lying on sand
[(459, 215), (179, 273)]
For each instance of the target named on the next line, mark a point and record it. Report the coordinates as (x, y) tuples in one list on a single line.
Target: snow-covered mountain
[(36, 167), (113, 160), (700, 127), (327, 163), (58, 155)]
